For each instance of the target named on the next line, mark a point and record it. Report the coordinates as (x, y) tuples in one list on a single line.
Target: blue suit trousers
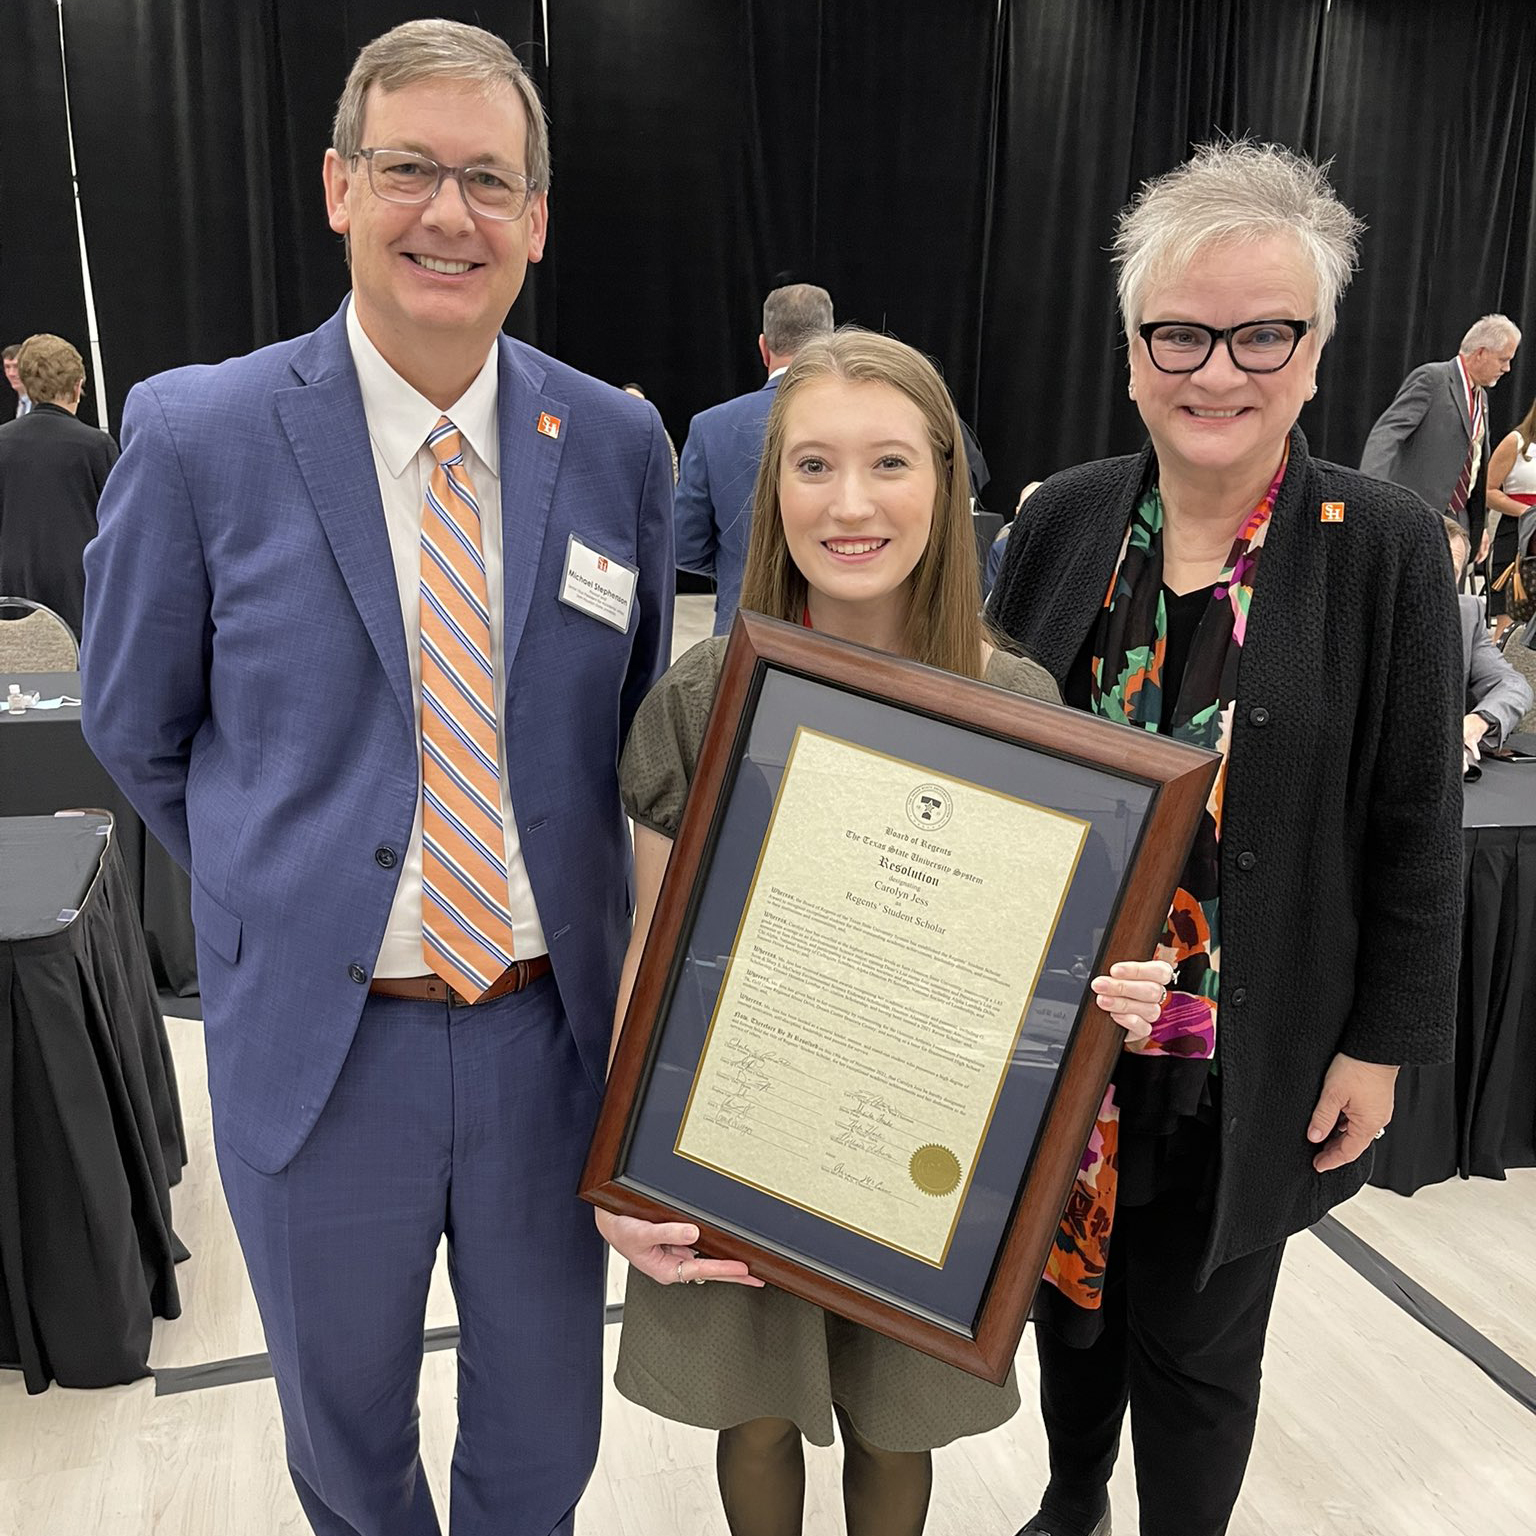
[(471, 1123)]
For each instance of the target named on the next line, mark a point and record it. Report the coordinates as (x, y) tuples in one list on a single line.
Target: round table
[(1477, 1114)]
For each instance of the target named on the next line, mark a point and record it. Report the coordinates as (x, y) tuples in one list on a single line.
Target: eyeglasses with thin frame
[(1255, 346), (402, 176)]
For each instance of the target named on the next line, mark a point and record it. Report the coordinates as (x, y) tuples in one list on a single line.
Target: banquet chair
[(39, 642), (1523, 659), (986, 526)]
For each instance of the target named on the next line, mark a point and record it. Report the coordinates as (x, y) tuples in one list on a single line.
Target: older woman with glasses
[(1226, 588)]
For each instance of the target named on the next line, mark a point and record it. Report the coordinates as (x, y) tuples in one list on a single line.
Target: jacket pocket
[(216, 925)]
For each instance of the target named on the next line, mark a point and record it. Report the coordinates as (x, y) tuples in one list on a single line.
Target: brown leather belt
[(433, 989)]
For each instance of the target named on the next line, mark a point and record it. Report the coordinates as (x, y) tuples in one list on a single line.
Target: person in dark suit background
[(1497, 695), (381, 728), (1433, 438), (13, 378), (52, 469), (712, 512)]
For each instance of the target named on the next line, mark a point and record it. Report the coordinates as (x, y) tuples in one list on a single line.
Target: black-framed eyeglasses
[(402, 176), (1255, 346)]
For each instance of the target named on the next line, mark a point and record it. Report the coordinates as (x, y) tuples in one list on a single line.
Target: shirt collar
[(400, 419), (777, 372)]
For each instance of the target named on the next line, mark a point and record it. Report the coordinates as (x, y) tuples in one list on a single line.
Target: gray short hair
[(793, 315), (1492, 331), (1239, 192), (440, 50)]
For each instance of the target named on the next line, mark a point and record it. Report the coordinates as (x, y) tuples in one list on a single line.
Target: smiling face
[(857, 485), (1222, 422), (431, 271)]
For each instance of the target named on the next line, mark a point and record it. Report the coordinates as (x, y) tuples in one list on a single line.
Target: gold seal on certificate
[(869, 1013), (935, 1170)]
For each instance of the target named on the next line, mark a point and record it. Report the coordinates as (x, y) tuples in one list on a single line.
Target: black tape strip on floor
[(1404, 1291), (226, 1373), (1399, 1288)]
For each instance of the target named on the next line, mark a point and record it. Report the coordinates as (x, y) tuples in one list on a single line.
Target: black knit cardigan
[(1341, 836)]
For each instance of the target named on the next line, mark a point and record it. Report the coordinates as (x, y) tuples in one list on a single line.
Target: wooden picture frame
[(961, 1294)]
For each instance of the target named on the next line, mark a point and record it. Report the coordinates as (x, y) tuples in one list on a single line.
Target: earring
[(1312, 393), (1130, 390)]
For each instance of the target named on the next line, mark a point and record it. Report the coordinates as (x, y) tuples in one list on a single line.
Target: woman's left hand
[(1133, 994), (1352, 1110)]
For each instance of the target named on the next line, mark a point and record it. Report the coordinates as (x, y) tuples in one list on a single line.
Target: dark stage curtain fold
[(656, 212), (907, 95), (200, 130), (41, 288), (1430, 113), (950, 173), (710, 151), (174, 158)]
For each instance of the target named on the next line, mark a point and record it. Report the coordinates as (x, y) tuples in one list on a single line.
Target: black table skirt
[(92, 1136), (46, 766), (1477, 1116)]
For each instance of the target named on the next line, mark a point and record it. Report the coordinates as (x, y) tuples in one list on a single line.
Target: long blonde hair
[(1527, 431), (943, 625)]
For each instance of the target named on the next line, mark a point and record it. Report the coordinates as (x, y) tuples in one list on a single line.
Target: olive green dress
[(718, 1355)]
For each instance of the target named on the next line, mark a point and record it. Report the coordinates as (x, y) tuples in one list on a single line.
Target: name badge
[(598, 585)]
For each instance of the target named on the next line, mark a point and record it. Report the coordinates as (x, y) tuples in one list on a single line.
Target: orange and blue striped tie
[(466, 926)]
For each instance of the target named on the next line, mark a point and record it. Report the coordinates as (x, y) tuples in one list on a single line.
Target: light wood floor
[(1370, 1425)]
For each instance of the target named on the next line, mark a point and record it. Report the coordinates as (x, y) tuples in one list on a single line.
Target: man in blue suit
[(713, 509), (381, 730)]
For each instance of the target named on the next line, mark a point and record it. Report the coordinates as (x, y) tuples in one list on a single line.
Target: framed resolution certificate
[(861, 1052)]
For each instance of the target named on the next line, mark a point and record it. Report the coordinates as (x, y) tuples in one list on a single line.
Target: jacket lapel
[(1459, 395), (1285, 615), (534, 430), (324, 422)]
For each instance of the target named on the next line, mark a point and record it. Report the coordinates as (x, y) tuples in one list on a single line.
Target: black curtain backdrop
[(1427, 112), (704, 152), (41, 287), (951, 173), (654, 217), (176, 179), (200, 130)]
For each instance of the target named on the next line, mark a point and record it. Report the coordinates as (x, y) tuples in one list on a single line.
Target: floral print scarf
[(1128, 652)]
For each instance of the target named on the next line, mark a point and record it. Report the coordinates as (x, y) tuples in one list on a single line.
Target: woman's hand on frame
[(1133, 994), (664, 1250)]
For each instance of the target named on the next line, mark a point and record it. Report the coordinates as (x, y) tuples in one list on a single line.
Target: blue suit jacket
[(713, 510), (246, 683)]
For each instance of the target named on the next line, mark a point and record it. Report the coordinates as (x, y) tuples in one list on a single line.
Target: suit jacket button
[(384, 857), (357, 973), (1258, 715), (1239, 996), (1247, 859)]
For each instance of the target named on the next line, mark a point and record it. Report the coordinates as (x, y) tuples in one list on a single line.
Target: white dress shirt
[(399, 421), (1477, 417)]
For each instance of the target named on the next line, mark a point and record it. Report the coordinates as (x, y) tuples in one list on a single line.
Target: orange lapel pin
[(1333, 512), (549, 425)]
